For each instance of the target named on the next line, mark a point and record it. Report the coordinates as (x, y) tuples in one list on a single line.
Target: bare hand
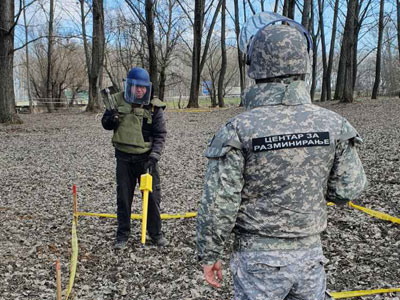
[(212, 272)]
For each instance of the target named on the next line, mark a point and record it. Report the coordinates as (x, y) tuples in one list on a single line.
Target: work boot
[(120, 244), (160, 242)]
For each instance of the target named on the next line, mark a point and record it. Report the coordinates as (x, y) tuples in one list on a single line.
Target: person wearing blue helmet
[(139, 127)]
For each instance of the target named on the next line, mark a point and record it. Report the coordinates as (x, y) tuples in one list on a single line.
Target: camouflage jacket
[(271, 170)]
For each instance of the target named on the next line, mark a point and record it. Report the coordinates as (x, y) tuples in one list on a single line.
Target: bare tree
[(362, 8), (198, 59), (170, 32), (148, 22), (305, 17), (68, 70), (96, 68), (223, 55), (84, 35), (398, 27), (276, 6), (196, 54), (289, 8), (7, 96), (149, 9), (325, 83), (331, 51), (241, 61), (315, 37), (49, 94), (379, 52), (211, 74), (27, 61), (345, 77)]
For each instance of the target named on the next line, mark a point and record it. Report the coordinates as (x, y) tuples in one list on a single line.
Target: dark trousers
[(129, 169)]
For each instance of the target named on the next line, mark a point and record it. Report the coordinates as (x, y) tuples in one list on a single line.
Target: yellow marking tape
[(190, 110), (351, 294), (376, 214), (179, 216), (373, 213), (139, 217), (74, 259)]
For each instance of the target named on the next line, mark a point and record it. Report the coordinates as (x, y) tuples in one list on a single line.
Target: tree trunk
[(7, 96), (398, 28), (97, 57), (84, 36), (285, 9), (276, 6), (291, 9), (357, 27), (197, 33), (223, 58), (240, 55), (344, 83), (149, 10), (390, 67), (331, 52), (244, 11), (163, 79), (28, 80), (305, 17), (348, 46), (315, 53), (379, 52), (325, 83), (49, 79)]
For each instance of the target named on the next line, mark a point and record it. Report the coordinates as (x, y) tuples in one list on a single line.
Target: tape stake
[(75, 199), (58, 279), (74, 259)]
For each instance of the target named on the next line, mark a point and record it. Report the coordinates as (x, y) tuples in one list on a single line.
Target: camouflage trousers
[(279, 275)]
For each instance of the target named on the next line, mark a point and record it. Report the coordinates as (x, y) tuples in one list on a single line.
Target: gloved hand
[(115, 118), (150, 165)]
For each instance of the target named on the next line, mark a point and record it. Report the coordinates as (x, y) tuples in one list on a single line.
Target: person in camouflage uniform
[(271, 170)]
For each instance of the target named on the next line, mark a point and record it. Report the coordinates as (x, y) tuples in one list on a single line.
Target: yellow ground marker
[(146, 186)]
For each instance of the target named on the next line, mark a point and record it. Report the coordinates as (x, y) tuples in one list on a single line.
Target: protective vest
[(134, 133), (289, 149)]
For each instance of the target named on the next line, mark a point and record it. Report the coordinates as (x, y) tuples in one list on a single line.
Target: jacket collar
[(274, 93)]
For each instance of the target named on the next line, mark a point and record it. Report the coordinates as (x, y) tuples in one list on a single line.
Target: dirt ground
[(41, 159)]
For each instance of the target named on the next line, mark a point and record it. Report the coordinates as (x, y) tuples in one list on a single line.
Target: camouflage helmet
[(278, 50)]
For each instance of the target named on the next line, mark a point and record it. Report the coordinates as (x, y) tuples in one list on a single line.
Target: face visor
[(137, 91)]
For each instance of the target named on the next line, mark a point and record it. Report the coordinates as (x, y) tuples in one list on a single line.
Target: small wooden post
[(58, 279), (75, 204)]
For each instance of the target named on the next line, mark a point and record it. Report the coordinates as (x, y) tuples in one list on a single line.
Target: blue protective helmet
[(137, 78)]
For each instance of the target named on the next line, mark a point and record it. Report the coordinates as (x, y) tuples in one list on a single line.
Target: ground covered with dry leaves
[(41, 159)]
